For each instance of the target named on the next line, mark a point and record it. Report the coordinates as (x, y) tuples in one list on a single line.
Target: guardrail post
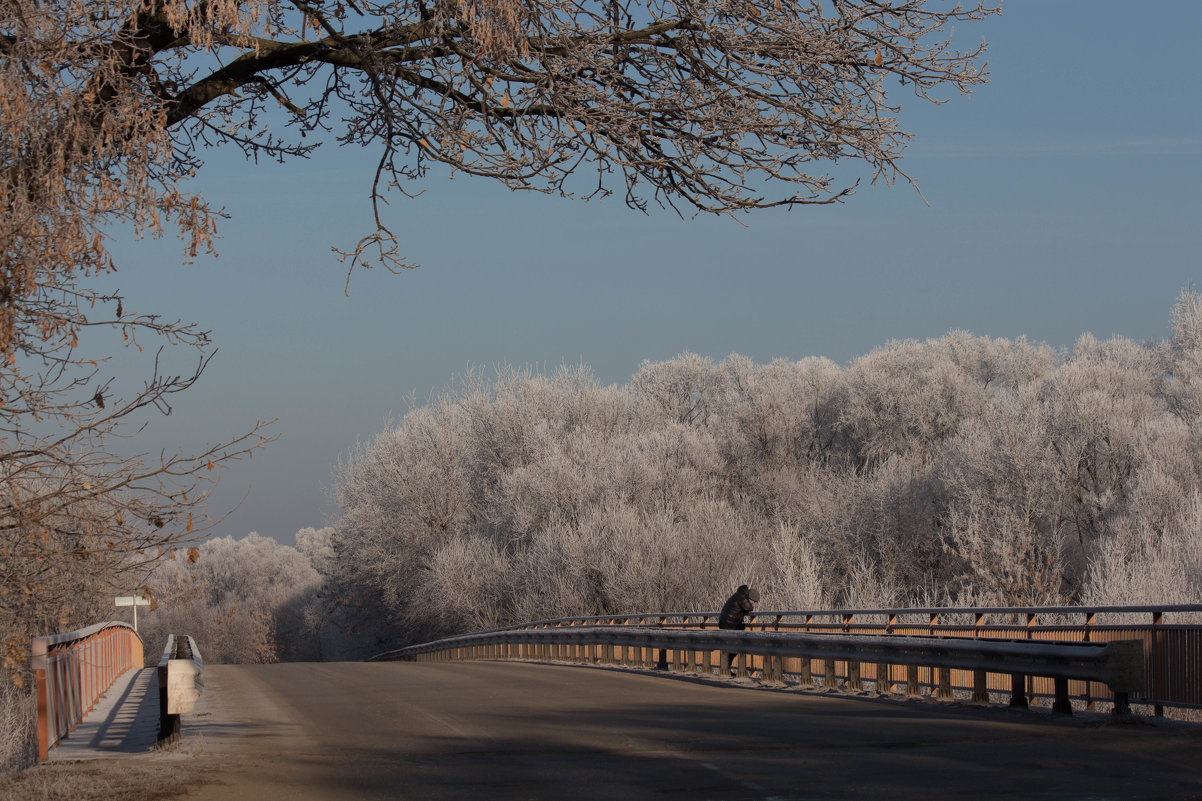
[(883, 685), (853, 676), (662, 664), (804, 674), (1018, 691), (944, 683), (829, 682), (742, 671), (1061, 705), (980, 687), (912, 687)]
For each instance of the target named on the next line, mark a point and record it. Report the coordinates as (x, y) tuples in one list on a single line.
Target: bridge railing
[(73, 670), (1170, 639)]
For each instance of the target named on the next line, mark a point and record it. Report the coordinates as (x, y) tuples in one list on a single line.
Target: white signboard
[(131, 600)]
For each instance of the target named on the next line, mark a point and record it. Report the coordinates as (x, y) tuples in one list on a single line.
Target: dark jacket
[(735, 608)]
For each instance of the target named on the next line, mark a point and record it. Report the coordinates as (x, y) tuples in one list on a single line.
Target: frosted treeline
[(247, 600), (963, 469), (960, 470)]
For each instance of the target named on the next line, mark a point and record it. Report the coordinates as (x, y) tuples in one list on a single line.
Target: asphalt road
[(494, 730)]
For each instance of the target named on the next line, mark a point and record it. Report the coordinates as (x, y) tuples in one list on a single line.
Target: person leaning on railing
[(734, 610)]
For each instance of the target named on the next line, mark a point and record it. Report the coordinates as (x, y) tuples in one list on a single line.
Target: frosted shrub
[(1140, 565), (1182, 382), (1008, 560), (465, 588), (908, 397), (683, 390), (18, 727), (1097, 406), (619, 560), (892, 517), (869, 585), (1001, 526), (794, 573)]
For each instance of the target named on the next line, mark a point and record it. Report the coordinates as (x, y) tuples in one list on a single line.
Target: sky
[(1063, 197)]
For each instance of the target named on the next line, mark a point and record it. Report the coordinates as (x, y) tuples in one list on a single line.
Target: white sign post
[(132, 600)]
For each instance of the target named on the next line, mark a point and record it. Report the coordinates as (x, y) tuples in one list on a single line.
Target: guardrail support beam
[(1061, 705), (980, 687), (805, 673), (883, 685), (944, 682), (1018, 691), (912, 688), (853, 676)]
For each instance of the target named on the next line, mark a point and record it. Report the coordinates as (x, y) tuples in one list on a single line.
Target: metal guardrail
[(1171, 635), (1171, 651), (73, 670), (1118, 664), (180, 683)]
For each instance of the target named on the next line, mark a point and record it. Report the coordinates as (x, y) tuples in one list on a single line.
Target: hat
[(754, 595)]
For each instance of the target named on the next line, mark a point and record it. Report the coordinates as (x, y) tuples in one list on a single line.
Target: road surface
[(496, 730)]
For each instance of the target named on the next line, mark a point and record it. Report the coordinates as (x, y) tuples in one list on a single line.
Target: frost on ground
[(148, 778)]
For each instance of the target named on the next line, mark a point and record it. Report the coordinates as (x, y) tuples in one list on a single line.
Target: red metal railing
[(74, 670)]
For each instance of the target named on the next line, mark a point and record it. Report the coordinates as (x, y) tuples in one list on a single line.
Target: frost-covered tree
[(1142, 563), (957, 469), (247, 600)]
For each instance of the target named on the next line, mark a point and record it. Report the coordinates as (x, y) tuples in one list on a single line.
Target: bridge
[(522, 729)]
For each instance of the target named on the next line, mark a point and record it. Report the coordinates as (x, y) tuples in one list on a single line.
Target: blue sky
[(1065, 196)]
